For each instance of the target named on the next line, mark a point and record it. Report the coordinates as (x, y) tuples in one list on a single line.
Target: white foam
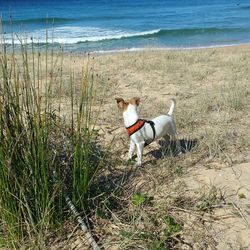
[(75, 34)]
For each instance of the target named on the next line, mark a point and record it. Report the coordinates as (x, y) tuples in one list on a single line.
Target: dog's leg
[(140, 147), (131, 150)]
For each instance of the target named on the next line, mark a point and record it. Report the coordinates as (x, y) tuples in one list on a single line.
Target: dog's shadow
[(170, 148)]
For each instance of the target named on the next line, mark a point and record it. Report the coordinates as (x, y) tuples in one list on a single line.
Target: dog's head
[(123, 105)]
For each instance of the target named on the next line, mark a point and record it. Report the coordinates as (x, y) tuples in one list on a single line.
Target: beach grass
[(42, 153)]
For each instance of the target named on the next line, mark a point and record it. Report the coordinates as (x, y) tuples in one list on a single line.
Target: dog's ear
[(120, 102), (135, 101)]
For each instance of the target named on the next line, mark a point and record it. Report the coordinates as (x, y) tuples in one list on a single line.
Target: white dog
[(143, 132)]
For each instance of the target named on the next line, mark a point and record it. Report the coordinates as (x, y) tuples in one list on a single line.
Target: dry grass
[(134, 206), (212, 91), (154, 207)]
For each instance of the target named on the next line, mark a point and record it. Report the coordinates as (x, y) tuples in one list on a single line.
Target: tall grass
[(42, 153)]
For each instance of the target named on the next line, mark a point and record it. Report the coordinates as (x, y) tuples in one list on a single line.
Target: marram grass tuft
[(41, 153)]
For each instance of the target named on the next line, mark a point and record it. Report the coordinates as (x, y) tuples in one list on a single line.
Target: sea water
[(104, 25)]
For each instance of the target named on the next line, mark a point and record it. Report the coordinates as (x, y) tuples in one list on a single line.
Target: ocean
[(111, 25)]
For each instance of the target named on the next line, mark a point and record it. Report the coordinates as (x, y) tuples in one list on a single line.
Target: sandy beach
[(204, 192), (211, 178)]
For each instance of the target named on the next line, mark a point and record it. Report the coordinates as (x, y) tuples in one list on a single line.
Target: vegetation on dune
[(42, 153), (211, 87)]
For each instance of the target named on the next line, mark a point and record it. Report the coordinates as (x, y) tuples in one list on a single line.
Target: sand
[(212, 90), (211, 87)]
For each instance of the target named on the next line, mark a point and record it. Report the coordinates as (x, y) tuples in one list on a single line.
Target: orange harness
[(135, 127), (138, 125)]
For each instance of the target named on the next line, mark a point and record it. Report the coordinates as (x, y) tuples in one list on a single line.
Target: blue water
[(100, 25)]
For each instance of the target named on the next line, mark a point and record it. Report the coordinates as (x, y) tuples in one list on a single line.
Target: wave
[(121, 35), (39, 20), (194, 31), (158, 33), (73, 35), (77, 35)]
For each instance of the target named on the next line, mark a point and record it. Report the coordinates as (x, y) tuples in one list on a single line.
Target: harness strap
[(135, 127), (152, 124), (138, 125)]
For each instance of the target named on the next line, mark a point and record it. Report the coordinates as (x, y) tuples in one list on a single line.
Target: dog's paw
[(138, 164)]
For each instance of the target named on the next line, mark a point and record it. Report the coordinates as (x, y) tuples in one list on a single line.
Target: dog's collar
[(135, 127)]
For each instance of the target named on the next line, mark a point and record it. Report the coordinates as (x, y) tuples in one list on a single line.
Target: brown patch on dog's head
[(122, 105), (134, 101)]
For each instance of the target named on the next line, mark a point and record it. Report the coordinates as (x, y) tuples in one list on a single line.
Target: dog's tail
[(172, 108)]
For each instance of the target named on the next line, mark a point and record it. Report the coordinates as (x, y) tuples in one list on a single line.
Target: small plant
[(139, 199), (241, 195), (130, 162), (157, 245), (125, 234), (101, 213), (178, 170), (2, 242), (166, 241), (172, 226), (207, 201)]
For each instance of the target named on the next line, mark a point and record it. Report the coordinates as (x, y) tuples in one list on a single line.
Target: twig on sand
[(241, 214), (82, 224), (79, 219), (113, 129)]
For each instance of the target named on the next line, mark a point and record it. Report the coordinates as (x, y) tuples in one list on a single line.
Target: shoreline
[(56, 47), (153, 49)]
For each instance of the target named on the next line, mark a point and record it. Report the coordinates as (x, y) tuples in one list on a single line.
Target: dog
[(143, 132)]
